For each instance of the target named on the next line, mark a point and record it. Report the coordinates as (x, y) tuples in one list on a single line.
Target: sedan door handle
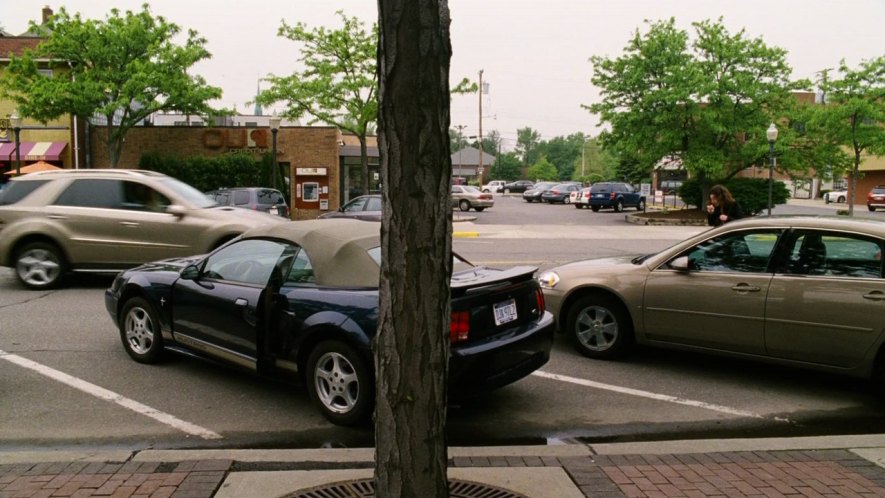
[(745, 288), (241, 302), (875, 296), (57, 217), (132, 224)]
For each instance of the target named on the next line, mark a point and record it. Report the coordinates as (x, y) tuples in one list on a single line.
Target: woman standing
[(722, 207)]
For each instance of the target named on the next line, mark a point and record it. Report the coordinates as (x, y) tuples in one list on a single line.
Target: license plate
[(505, 312), (273, 210)]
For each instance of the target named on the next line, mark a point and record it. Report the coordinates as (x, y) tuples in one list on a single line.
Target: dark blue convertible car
[(300, 299)]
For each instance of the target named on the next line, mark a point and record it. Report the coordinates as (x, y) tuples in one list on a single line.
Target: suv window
[(601, 188), (92, 192), (241, 197), (17, 191), (270, 197)]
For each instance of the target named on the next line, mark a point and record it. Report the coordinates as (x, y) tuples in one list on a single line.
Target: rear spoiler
[(481, 278)]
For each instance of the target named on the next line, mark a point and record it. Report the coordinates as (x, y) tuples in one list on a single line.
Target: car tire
[(140, 331), (595, 209), (479, 209), (579, 206), (506, 190), (567, 200), (600, 327), (464, 205), (340, 383), (871, 208), (40, 265), (641, 205), (619, 206), (485, 191), (841, 199)]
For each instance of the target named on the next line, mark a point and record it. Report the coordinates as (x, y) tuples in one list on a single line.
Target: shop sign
[(237, 140), (311, 171)]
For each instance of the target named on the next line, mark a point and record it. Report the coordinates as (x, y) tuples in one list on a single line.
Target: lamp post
[(771, 133), (16, 122), (274, 128)]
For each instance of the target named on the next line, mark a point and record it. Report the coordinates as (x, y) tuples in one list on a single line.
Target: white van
[(494, 186)]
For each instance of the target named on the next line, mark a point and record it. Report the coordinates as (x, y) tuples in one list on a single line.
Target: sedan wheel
[(600, 327), (40, 265), (140, 331), (340, 384), (464, 205)]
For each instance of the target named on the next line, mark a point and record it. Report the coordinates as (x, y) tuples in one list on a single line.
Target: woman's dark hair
[(724, 195)]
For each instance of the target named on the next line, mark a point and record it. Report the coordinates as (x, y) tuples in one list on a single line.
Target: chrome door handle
[(129, 223), (57, 217), (241, 302), (875, 296), (745, 288)]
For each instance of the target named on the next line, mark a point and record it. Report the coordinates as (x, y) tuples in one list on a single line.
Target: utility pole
[(480, 170)]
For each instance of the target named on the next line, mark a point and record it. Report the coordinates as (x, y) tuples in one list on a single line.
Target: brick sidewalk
[(768, 474)]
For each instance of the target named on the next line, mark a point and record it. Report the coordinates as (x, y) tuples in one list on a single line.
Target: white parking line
[(104, 394), (651, 395)]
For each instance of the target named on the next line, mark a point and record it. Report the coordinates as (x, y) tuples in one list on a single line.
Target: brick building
[(311, 154)]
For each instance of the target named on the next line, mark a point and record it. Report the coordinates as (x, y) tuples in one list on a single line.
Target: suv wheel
[(619, 206), (40, 265), (595, 209), (641, 205)]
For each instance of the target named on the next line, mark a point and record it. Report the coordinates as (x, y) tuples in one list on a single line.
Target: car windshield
[(190, 194)]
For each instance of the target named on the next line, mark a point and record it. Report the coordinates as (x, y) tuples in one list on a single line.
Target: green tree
[(596, 163), (707, 102), (543, 170), (338, 84), (124, 68), (854, 114), (563, 153), (527, 141), (506, 167), (412, 345)]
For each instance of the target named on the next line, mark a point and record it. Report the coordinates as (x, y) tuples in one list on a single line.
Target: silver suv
[(96, 220)]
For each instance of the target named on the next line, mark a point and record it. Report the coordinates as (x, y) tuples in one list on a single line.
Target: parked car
[(494, 186), (466, 197), (255, 198), (581, 198), (615, 195), (364, 207), (534, 194), (835, 196), (801, 291), (876, 198), (560, 193), (518, 187), (105, 220), (300, 300)]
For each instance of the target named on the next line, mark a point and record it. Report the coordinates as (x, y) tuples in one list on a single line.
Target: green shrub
[(751, 193), (210, 173)]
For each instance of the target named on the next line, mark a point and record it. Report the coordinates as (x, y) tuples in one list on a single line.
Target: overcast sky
[(534, 53)]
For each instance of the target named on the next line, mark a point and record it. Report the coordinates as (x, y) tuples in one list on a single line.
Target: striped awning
[(33, 151)]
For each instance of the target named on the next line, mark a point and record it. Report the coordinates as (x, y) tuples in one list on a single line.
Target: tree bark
[(411, 348)]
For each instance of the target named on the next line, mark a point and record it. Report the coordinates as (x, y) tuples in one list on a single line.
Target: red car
[(876, 198)]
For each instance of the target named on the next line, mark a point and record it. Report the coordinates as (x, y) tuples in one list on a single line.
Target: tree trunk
[(411, 348)]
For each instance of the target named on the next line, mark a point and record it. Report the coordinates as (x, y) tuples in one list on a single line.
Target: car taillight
[(542, 305), (486, 196), (459, 330)]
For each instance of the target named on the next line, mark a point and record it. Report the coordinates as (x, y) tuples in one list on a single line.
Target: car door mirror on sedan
[(680, 264)]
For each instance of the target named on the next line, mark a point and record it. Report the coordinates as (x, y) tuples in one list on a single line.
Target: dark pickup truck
[(615, 195)]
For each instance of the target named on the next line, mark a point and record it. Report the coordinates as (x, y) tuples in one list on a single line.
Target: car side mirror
[(176, 210), (190, 272), (680, 264)]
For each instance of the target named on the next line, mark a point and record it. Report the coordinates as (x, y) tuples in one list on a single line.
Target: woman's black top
[(733, 211)]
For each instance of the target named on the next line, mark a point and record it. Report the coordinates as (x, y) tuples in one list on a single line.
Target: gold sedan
[(802, 291)]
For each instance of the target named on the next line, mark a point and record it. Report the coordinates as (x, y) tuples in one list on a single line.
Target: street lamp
[(771, 133), (274, 128), (16, 122)]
